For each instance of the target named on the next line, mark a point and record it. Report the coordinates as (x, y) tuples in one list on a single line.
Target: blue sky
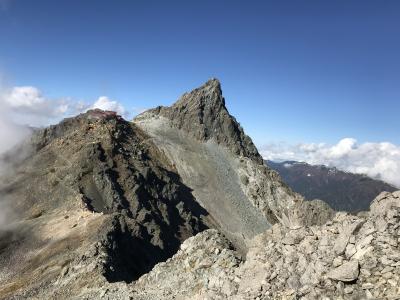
[(293, 71)]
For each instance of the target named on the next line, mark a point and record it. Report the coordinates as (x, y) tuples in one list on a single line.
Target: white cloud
[(287, 165), (24, 106), (105, 103), (27, 105), (25, 96), (10, 132), (377, 160)]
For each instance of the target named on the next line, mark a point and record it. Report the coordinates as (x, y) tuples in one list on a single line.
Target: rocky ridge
[(209, 147), (92, 189), (202, 113), (165, 207)]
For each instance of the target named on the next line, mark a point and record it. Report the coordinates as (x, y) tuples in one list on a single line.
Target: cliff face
[(203, 115)]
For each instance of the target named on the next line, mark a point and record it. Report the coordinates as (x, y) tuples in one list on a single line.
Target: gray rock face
[(202, 114), (385, 203), (285, 263), (209, 263), (222, 166)]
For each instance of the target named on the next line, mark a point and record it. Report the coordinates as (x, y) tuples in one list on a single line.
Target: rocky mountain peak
[(202, 114), (101, 200), (209, 94)]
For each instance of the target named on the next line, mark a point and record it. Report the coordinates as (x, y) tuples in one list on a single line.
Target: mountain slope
[(341, 190), (177, 204), (92, 190), (221, 165), (96, 199)]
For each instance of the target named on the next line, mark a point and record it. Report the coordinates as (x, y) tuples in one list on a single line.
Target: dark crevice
[(128, 255), (160, 226)]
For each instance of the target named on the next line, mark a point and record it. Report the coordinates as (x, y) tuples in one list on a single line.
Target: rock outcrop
[(219, 162), (305, 262), (283, 263), (202, 114)]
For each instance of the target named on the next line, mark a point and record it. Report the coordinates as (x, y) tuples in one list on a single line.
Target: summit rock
[(220, 163), (203, 114)]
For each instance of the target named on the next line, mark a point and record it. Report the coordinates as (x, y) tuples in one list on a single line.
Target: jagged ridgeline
[(98, 201)]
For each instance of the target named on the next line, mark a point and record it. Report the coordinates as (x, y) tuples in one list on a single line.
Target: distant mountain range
[(341, 190)]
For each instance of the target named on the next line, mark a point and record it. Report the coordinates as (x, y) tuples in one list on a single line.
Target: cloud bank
[(28, 106), (22, 107), (377, 160)]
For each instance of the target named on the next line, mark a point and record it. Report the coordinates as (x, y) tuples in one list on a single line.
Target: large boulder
[(347, 272)]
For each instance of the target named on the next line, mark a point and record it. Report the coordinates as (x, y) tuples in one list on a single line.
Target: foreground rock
[(287, 263), (347, 272), (312, 268)]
